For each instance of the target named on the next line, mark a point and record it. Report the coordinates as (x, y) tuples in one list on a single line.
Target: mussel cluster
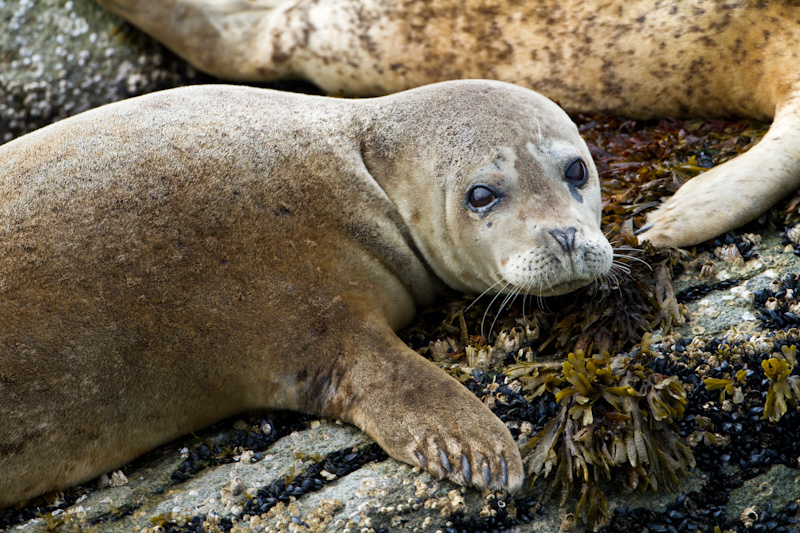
[(777, 304)]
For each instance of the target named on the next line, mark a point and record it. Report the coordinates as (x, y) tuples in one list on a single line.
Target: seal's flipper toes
[(443, 461), (497, 467), (475, 469), (482, 455), (697, 212), (504, 474), (494, 474)]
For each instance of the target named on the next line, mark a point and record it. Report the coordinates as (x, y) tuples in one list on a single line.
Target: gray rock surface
[(220, 491), (59, 58), (721, 310), (780, 484)]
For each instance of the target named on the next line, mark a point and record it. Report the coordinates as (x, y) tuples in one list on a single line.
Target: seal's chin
[(566, 287), (563, 287)]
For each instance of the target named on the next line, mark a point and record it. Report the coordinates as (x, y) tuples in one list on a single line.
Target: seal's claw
[(466, 469), (445, 461), (422, 462), (494, 471), (499, 467)]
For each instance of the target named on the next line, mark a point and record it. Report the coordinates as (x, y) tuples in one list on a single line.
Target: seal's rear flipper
[(224, 38), (735, 192)]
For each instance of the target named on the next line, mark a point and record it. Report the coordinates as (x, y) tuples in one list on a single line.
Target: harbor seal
[(636, 58), (174, 259)]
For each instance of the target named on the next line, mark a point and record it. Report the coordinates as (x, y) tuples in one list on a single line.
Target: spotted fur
[(639, 58)]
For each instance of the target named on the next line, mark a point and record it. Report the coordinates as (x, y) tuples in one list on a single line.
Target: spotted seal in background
[(177, 258), (634, 58)]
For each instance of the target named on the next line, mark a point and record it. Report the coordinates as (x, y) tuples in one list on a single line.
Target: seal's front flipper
[(422, 416), (736, 192)]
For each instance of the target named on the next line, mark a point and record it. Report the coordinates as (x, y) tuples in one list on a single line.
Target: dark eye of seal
[(480, 198), (576, 173)]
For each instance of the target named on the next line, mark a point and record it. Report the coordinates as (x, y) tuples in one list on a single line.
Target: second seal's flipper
[(735, 192)]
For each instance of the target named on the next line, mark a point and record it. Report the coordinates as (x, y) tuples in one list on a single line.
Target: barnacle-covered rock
[(730, 254), (793, 234), (778, 303)]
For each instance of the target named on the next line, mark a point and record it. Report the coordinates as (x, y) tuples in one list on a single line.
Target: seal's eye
[(480, 198), (576, 173)]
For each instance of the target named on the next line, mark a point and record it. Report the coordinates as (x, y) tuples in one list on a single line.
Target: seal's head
[(503, 195)]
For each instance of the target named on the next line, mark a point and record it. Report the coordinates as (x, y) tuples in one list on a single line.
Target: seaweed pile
[(617, 416), (640, 162), (586, 419)]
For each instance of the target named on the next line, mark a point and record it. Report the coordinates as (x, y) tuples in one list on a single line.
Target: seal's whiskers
[(486, 312)]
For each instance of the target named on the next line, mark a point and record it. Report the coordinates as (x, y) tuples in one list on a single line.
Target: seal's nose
[(565, 238)]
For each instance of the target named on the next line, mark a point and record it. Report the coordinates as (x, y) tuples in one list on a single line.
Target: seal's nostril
[(565, 237)]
